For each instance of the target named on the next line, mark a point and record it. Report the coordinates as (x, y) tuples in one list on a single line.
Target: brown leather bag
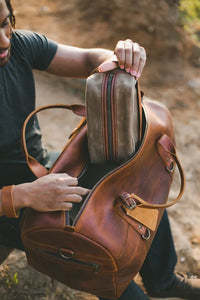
[(105, 245)]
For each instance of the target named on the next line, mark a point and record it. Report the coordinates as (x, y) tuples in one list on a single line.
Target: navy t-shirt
[(17, 94)]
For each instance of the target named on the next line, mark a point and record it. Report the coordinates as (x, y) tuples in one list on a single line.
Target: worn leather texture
[(103, 248)]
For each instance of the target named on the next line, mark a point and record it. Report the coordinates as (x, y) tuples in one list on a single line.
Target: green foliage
[(7, 279), (190, 17), (189, 11), (15, 279)]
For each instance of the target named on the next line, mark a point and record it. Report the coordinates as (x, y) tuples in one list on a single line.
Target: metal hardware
[(131, 205), (128, 201), (171, 168), (64, 256), (94, 266), (147, 234)]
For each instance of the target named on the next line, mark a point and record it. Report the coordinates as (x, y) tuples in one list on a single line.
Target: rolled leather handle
[(38, 169), (168, 146)]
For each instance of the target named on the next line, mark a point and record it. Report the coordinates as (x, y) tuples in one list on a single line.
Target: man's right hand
[(52, 192)]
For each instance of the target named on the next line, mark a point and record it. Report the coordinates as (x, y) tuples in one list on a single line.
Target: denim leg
[(157, 271), (132, 292), (9, 227)]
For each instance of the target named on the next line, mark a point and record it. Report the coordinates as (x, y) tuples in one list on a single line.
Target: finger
[(128, 55), (64, 206), (82, 191), (77, 190), (67, 180), (136, 59), (63, 179), (71, 198), (141, 64), (120, 53), (107, 66), (72, 181)]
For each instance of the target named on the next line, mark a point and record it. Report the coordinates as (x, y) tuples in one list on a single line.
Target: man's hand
[(129, 56), (52, 192)]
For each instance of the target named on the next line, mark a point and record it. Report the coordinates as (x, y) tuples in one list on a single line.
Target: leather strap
[(166, 143), (7, 202), (38, 169), (139, 103)]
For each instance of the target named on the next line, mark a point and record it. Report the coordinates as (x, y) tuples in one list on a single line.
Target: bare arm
[(78, 62)]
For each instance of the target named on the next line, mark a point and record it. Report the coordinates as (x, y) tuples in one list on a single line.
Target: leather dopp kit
[(123, 150), (113, 116)]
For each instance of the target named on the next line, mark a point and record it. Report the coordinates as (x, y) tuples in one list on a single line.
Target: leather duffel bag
[(103, 246)]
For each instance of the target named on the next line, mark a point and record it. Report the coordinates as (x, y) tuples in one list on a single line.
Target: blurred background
[(168, 29), (170, 32)]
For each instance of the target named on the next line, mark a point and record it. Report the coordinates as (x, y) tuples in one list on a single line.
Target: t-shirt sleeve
[(39, 49)]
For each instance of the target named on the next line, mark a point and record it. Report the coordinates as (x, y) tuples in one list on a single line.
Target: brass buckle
[(128, 201), (131, 205)]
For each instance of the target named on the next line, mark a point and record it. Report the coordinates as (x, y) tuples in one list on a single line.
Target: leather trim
[(7, 202)]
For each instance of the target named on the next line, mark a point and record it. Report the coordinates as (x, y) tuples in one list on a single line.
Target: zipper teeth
[(114, 116), (114, 170), (109, 112), (104, 115), (108, 137)]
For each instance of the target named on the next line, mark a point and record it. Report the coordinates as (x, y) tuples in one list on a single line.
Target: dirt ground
[(174, 82)]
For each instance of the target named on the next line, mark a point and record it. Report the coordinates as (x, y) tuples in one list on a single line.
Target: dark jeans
[(158, 269), (9, 228)]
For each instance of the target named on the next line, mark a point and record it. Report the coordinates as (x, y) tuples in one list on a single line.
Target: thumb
[(109, 64)]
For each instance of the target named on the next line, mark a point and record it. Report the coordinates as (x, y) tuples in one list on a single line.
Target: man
[(20, 52)]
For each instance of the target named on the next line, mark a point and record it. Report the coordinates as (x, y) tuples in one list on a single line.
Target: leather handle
[(168, 146), (38, 169)]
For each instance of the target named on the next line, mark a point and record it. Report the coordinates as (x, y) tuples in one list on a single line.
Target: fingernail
[(86, 192), (133, 72), (128, 70), (138, 75), (122, 67)]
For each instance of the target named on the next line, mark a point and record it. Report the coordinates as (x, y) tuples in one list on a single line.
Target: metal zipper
[(109, 116), (114, 170), (94, 266), (108, 104)]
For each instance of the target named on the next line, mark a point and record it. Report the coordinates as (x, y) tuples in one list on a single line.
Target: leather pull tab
[(146, 216)]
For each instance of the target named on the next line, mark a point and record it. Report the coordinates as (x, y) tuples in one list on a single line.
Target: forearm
[(77, 62), (96, 57)]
